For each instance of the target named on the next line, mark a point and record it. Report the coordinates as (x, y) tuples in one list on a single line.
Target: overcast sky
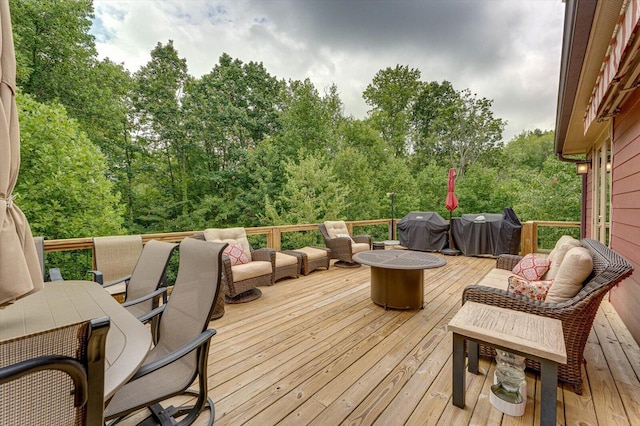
[(504, 50)]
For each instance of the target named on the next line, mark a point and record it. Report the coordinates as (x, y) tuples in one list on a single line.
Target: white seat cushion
[(496, 278), (283, 259), (250, 270), (313, 253), (358, 247)]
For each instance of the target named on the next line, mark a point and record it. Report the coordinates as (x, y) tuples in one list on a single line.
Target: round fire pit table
[(397, 276)]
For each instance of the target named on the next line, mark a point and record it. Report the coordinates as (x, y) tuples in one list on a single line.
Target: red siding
[(625, 202)]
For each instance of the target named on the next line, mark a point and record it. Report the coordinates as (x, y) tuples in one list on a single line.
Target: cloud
[(504, 50)]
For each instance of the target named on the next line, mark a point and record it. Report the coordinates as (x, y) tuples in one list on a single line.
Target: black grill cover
[(423, 231), (487, 233)]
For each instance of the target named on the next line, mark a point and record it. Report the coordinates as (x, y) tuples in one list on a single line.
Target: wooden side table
[(529, 335)]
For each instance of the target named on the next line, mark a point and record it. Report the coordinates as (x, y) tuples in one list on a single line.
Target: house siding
[(625, 204), (587, 205)]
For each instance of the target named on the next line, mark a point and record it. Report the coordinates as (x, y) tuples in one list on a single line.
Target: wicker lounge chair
[(181, 353), (577, 314), (115, 257), (240, 280), (342, 245), (54, 377)]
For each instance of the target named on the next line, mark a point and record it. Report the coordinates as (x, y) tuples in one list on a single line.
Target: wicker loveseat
[(577, 314)]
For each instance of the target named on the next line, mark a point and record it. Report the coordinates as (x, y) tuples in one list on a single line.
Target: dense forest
[(106, 151)]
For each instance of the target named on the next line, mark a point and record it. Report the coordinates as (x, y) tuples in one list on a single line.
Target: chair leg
[(188, 409)]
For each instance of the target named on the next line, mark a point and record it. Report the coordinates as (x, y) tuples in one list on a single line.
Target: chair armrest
[(507, 261), (194, 344), (146, 297), (97, 276), (264, 254), (504, 299), (68, 365), (148, 316), (339, 245), (55, 274), (362, 239), (118, 281)]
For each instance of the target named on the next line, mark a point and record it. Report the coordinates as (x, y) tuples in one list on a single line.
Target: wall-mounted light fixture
[(608, 165), (582, 168)]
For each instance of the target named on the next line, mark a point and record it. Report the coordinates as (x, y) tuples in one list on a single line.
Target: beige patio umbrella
[(20, 272)]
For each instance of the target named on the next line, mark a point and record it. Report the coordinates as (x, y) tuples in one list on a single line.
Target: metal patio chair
[(181, 352)]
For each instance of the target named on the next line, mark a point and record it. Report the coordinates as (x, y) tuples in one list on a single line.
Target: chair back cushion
[(336, 227), (150, 269), (230, 236), (116, 256), (191, 303), (564, 244), (576, 266)]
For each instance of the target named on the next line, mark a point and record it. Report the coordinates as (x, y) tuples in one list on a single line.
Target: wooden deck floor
[(316, 350)]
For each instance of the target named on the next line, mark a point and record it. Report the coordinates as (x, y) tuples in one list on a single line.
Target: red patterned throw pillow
[(537, 290), (235, 254), (532, 268)]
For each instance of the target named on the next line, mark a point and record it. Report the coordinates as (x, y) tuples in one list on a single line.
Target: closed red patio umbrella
[(451, 204), (452, 201)]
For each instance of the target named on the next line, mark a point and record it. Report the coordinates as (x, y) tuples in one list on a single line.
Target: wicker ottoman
[(312, 258), (287, 265)]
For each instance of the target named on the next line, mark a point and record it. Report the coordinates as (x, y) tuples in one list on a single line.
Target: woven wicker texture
[(341, 247), (231, 286), (287, 265), (45, 397), (577, 314), (311, 258)]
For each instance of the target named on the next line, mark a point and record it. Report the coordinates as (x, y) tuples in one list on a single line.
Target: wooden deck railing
[(530, 237), (273, 235), (529, 240)]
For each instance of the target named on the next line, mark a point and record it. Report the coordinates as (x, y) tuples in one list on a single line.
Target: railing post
[(527, 237), (276, 238)]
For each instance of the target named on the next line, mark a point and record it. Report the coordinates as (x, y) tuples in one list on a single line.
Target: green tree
[(391, 95), (529, 149), (456, 127), (309, 121), (62, 187), (54, 49), (228, 112), (157, 102), (311, 194)]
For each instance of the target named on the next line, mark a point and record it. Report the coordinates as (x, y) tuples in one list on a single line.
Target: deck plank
[(316, 350)]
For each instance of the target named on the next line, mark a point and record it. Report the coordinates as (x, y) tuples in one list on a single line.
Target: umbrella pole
[(451, 251), (451, 245)]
